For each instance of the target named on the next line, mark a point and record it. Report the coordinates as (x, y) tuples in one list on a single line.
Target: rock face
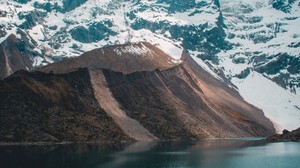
[(15, 54), (286, 136), (39, 107), (144, 95), (283, 5)]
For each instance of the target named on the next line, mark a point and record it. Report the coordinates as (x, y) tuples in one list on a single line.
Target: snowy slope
[(264, 49), (280, 105), (261, 35), (56, 34)]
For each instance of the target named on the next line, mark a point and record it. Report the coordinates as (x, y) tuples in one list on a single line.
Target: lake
[(228, 153)]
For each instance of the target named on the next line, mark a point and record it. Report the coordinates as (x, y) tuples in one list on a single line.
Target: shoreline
[(126, 142), (57, 143)]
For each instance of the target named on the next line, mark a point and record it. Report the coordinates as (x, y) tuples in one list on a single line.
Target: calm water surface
[(230, 153)]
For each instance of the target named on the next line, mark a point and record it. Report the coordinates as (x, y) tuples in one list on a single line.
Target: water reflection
[(217, 153)]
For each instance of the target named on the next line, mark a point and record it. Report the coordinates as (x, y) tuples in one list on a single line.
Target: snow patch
[(277, 103), (170, 47), (132, 49)]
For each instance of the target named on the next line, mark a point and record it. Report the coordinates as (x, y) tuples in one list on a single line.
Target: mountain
[(59, 31), (265, 55), (252, 46), (121, 93)]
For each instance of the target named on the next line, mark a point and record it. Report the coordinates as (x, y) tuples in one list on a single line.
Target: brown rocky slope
[(39, 107), (135, 89)]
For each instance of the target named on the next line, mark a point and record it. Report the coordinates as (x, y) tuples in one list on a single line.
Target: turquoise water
[(229, 153)]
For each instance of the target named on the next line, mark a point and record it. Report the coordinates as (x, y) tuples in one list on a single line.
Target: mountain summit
[(128, 58)]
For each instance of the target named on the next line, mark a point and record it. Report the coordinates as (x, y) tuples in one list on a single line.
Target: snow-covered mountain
[(61, 31), (254, 44), (265, 54)]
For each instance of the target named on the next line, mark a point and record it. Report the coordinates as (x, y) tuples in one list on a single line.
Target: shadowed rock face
[(132, 91), (39, 107), (16, 54), (286, 136)]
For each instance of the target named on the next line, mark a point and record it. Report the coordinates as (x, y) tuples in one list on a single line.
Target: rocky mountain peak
[(127, 58)]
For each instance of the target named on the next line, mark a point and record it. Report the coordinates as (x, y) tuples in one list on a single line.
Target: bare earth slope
[(130, 126), (149, 96)]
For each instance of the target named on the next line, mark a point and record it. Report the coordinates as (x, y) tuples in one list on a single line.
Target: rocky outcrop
[(131, 91), (69, 5), (15, 54), (283, 5), (283, 61), (22, 1), (31, 19), (95, 32), (286, 136)]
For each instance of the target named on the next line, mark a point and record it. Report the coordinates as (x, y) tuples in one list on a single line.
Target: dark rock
[(54, 27), (193, 37), (239, 60), (286, 136), (278, 63), (2, 31), (22, 1), (244, 73), (255, 19), (294, 45), (3, 13), (275, 66), (69, 5), (46, 6), (285, 131), (217, 3), (16, 54), (95, 32), (283, 5), (31, 19)]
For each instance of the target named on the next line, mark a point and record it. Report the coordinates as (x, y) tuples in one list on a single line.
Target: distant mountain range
[(251, 46)]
